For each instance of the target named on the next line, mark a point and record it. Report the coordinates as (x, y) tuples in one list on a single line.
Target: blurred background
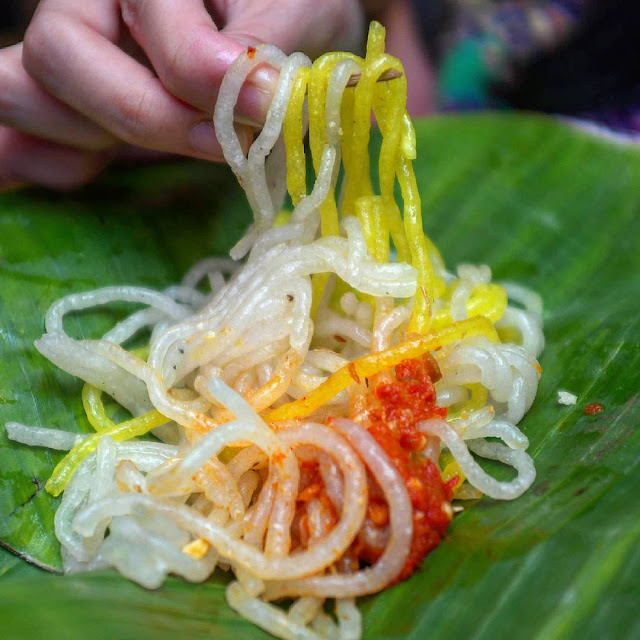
[(14, 16), (577, 58)]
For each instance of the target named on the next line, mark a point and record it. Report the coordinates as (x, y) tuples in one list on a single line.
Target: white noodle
[(392, 560), (43, 437), (472, 470), (267, 616)]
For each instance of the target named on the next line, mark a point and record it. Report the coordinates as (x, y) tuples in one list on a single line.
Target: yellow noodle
[(318, 287), (489, 300), (371, 364), (423, 302), (94, 408), (294, 139), (358, 179), (375, 227), (318, 83), (477, 397), (119, 432), (329, 225), (389, 104), (452, 470), (376, 39)]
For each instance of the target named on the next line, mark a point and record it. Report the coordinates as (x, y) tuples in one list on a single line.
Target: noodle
[(322, 404)]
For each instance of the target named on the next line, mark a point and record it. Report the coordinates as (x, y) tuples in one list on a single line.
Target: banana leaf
[(543, 204)]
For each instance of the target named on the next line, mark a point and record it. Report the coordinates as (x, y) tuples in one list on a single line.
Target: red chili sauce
[(392, 413)]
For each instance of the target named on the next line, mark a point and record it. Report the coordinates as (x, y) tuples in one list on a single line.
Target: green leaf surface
[(545, 205)]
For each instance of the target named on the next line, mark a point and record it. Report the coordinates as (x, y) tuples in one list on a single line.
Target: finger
[(26, 107), (115, 91), (25, 159), (191, 56), (309, 26)]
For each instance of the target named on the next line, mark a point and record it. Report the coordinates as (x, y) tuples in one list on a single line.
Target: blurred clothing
[(572, 57)]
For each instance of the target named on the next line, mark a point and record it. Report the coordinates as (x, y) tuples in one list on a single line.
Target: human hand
[(95, 75)]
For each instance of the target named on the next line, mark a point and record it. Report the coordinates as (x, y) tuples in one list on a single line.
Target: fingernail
[(249, 122), (203, 140), (265, 78), (253, 105)]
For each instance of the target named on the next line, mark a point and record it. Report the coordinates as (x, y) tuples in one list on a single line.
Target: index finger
[(191, 56)]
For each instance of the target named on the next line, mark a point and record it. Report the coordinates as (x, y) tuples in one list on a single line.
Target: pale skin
[(98, 79)]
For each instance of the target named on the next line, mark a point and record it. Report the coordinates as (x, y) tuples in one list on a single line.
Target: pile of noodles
[(250, 356)]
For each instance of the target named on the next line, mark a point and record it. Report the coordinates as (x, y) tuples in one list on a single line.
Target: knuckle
[(190, 60), (177, 63), (134, 121), (44, 39), (35, 46)]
